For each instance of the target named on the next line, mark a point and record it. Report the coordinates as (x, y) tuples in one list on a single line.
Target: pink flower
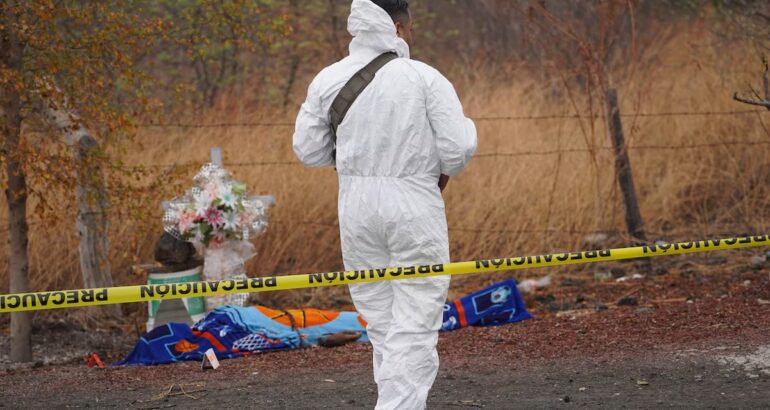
[(214, 216), (245, 217), (213, 189), (185, 220), (217, 239)]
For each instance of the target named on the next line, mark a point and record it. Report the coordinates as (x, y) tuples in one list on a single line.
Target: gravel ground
[(694, 337), (691, 378)]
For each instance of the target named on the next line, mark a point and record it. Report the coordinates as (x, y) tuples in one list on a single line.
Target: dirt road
[(722, 376), (684, 340)]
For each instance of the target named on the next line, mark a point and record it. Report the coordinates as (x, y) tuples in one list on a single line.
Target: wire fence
[(726, 143), (718, 228), (673, 233), (479, 155), (475, 118), (472, 230), (185, 165)]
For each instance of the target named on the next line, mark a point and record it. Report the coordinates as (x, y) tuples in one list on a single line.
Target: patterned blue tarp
[(235, 331)]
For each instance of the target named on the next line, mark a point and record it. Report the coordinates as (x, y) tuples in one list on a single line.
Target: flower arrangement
[(218, 216), (216, 210)]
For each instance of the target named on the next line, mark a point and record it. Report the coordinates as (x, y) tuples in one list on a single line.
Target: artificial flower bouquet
[(218, 217)]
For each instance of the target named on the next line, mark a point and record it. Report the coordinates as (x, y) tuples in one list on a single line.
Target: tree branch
[(762, 102), (64, 120)]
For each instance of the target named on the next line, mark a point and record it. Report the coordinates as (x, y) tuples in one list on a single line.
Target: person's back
[(400, 135)]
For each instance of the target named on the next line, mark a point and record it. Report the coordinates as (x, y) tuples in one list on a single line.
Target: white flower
[(202, 203), (231, 221), (227, 197)]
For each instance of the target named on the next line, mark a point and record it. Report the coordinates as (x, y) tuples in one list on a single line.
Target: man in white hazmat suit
[(404, 133)]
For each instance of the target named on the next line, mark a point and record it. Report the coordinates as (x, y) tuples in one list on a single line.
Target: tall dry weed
[(532, 188)]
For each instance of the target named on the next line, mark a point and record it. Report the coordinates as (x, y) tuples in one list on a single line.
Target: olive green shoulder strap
[(353, 88)]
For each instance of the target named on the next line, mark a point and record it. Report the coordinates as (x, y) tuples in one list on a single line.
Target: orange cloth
[(299, 318)]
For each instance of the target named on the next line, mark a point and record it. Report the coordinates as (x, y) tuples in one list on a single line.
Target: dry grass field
[(536, 185)]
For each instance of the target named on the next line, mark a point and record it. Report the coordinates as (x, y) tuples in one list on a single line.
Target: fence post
[(634, 221)]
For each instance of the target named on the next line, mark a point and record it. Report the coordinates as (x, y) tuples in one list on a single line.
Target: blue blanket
[(236, 331)]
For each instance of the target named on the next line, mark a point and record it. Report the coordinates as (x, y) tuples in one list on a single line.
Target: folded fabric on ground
[(495, 305), (241, 331)]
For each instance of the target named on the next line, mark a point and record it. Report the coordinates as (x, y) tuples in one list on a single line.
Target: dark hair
[(397, 9)]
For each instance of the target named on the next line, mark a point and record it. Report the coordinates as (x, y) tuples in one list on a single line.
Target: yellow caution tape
[(128, 294)]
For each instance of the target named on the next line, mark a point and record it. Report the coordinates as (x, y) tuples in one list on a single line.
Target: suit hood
[(373, 30)]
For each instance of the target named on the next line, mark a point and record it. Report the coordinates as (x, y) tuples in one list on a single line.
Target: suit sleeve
[(455, 134), (312, 141)]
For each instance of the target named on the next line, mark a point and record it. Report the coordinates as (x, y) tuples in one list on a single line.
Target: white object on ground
[(210, 360), (529, 285), (625, 278)]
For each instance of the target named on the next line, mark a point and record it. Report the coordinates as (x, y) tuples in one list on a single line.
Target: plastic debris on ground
[(530, 285), (603, 276), (625, 278), (95, 360)]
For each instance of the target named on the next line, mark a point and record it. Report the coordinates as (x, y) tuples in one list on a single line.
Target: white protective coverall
[(403, 131)]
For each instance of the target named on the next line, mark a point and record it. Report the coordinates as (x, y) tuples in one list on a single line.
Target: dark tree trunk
[(16, 193)]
